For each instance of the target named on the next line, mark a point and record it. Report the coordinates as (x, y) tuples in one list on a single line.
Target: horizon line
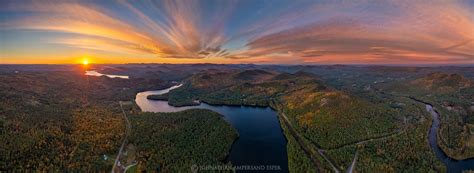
[(258, 64)]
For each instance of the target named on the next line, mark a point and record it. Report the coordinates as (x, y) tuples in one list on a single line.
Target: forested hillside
[(58, 121), (452, 95), (66, 121), (327, 119)]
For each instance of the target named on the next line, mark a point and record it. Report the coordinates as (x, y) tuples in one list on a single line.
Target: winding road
[(389, 135), (354, 161), (127, 133)]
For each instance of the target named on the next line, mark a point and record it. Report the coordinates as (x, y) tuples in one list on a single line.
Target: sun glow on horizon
[(85, 62), (260, 32)]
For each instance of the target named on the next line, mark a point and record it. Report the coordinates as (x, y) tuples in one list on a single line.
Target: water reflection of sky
[(261, 141), (95, 73)]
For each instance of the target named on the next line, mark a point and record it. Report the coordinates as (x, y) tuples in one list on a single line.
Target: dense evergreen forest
[(174, 142)]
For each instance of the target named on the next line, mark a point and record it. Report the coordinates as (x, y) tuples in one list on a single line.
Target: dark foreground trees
[(174, 142)]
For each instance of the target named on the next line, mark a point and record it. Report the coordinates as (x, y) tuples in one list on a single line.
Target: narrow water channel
[(452, 165), (261, 143)]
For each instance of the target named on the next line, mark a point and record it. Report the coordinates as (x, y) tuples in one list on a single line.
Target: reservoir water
[(95, 73), (261, 143)]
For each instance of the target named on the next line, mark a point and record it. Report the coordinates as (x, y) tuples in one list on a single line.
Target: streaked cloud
[(410, 32), (257, 31)]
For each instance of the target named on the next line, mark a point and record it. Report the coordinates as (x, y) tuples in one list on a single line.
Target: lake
[(95, 73), (261, 141)]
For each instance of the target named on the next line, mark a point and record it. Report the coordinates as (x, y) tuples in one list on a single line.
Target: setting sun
[(85, 62)]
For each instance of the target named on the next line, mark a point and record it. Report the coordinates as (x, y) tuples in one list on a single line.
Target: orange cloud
[(299, 32), (420, 33)]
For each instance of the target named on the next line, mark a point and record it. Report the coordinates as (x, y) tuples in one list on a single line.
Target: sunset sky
[(246, 31)]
